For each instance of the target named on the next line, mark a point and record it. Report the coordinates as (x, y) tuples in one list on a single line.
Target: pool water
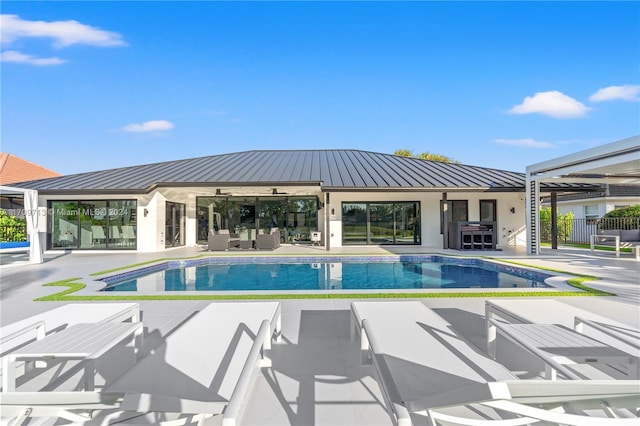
[(324, 276)]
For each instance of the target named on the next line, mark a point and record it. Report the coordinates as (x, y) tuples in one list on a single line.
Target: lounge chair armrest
[(231, 413), (38, 326), (580, 322), (556, 417)]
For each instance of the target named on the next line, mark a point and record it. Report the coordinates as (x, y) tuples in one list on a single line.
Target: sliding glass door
[(381, 223)]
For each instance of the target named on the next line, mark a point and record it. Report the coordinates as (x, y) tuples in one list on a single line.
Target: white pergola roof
[(616, 162)]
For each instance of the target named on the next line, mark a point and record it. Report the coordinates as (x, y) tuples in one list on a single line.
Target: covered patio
[(617, 162)]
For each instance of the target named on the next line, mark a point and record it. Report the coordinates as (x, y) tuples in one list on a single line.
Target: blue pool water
[(343, 275)]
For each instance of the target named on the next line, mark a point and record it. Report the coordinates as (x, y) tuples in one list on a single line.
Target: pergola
[(616, 162)]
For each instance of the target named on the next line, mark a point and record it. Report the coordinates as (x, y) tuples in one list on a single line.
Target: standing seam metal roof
[(333, 169)]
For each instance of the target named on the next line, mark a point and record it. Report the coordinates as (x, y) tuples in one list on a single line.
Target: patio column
[(554, 220), (327, 221), (445, 222), (533, 214)]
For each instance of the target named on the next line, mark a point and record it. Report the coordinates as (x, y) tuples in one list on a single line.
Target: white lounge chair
[(38, 326), (417, 355), (534, 401), (561, 335), (204, 368), (425, 369)]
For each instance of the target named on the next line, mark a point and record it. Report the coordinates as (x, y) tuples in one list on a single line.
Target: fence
[(578, 231), (13, 233)]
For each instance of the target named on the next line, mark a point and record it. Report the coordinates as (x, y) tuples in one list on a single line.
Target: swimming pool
[(323, 273)]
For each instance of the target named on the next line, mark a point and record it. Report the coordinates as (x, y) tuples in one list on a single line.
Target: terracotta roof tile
[(15, 169)]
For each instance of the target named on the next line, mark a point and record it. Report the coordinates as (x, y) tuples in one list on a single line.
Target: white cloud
[(63, 33), (554, 104), (525, 143), (626, 92), (15, 56), (149, 126)]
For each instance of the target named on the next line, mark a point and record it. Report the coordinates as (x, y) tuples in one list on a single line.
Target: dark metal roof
[(331, 169)]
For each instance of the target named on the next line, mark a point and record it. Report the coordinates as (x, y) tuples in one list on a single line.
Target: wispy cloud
[(553, 104), (525, 143), (149, 126), (626, 92), (15, 56), (63, 33)]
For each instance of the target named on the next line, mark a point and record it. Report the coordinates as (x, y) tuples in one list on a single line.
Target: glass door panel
[(407, 223), (93, 224), (64, 224), (242, 217), (174, 225), (354, 223), (302, 218), (272, 214), (381, 223), (122, 224)]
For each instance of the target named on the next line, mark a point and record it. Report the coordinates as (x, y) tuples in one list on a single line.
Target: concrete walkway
[(316, 377)]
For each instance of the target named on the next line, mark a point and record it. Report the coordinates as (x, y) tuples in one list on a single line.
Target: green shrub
[(565, 225), (12, 229), (633, 211)]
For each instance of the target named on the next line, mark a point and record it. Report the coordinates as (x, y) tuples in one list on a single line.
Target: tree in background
[(425, 156), (565, 225)]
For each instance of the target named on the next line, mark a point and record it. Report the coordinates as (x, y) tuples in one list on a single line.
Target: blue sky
[(98, 85)]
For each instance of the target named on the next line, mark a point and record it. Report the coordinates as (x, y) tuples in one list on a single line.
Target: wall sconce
[(218, 192), (274, 191), (146, 212), (513, 209), (333, 211)]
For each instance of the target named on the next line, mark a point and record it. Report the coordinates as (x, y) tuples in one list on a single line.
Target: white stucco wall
[(151, 228), (604, 205), (511, 226)]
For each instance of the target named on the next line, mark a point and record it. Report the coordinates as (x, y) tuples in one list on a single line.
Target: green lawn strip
[(576, 282), (64, 297), (588, 246), (73, 287)]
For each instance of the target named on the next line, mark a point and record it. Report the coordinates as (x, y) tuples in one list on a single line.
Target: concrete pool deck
[(316, 376)]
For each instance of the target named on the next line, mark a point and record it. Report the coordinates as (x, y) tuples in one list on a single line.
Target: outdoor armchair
[(222, 240), (269, 241)]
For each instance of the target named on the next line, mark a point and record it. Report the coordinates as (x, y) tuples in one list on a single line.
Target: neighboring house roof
[(15, 169), (331, 169)]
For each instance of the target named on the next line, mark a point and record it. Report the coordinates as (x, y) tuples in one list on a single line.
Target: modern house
[(351, 197)]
